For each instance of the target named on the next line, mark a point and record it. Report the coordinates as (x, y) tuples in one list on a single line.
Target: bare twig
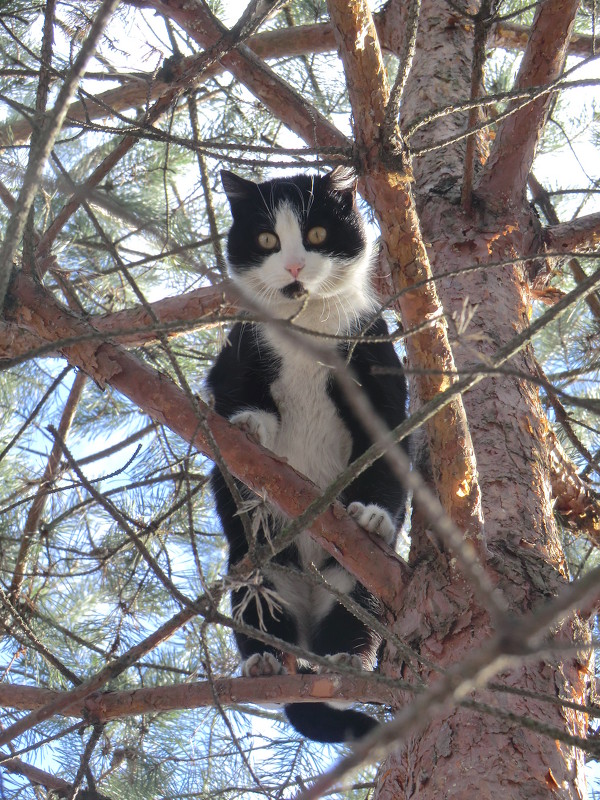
[(37, 507)]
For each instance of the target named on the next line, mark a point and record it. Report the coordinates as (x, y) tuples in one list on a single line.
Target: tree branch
[(516, 639), (389, 191), (582, 234), (368, 558), (39, 155), (511, 36), (542, 198), (37, 507), (136, 326), (277, 43), (36, 775), (282, 689), (277, 95), (504, 177), (109, 672)]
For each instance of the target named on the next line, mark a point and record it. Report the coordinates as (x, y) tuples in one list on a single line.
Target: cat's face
[(296, 238)]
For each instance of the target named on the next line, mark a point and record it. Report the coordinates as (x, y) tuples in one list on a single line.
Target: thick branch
[(582, 234), (106, 674), (389, 191), (511, 36), (276, 43), (376, 566), (136, 326), (504, 177), (276, 94), (577, 505), (101, 707), (36, 775), (542, 198)]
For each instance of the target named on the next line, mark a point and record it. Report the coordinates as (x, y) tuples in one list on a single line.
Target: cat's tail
[(322, 723)]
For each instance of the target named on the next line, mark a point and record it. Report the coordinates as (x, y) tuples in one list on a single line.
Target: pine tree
[(117, 657)]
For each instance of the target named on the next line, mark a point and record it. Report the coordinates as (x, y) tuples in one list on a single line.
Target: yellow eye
[(317, 235), (268, 240)]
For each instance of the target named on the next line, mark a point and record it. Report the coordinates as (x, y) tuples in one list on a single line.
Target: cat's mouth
[(294, 290)]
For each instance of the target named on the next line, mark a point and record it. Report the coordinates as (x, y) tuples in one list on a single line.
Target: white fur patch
[(374, 519), (259, 425), (261, 664)]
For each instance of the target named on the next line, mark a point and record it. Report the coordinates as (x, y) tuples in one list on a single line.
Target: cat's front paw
[(350, 660), (374, 519), (259, 425), (260, 665)]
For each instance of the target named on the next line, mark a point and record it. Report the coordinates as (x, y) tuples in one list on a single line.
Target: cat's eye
[(317, 235), (268, 240)]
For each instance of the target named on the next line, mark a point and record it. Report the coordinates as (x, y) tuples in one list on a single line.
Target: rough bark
[(280, 43), (508, 430), (504, 176), (582, 233), (460, 752)]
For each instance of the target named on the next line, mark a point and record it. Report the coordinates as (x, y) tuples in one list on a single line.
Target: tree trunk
[(464, 753)]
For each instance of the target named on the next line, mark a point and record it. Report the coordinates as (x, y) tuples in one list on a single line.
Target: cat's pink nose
[(294, 269)]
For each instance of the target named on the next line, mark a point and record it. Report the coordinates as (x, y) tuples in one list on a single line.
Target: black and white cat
[(297, 247)]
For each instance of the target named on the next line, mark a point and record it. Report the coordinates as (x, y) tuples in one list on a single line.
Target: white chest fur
[(311, 435), (314, 440)]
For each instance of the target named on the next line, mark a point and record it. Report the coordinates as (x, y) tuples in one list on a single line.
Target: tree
[(111, 274)]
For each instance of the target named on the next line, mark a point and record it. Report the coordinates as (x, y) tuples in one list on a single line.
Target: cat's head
[(298, 239)]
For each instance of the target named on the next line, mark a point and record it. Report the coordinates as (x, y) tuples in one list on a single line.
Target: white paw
[(261, 664), (259, 425), (374, 519), (351, 660)]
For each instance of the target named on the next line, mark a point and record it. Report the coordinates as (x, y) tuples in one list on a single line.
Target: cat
[(298, 249)]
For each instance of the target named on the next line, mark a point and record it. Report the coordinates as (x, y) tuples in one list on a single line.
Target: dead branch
[(504, 177)]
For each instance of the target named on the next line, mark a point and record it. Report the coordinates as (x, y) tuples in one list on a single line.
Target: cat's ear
[(236, 188), (342, 179)]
